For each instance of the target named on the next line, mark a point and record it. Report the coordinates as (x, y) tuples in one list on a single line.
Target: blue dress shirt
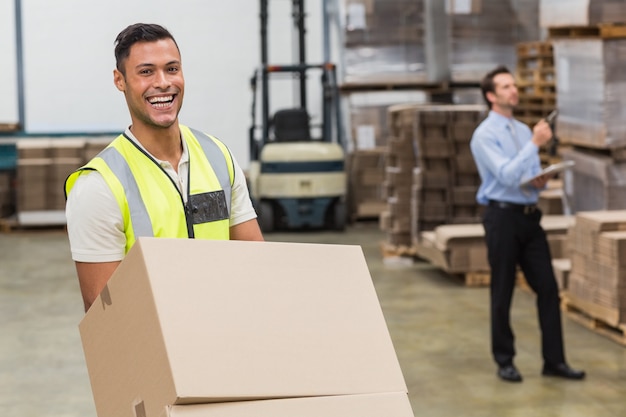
[(505, 155)]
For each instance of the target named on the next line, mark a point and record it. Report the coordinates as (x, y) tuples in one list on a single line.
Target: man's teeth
[(154, 100)]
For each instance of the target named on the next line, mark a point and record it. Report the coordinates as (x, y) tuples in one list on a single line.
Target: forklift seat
[(291, 125)]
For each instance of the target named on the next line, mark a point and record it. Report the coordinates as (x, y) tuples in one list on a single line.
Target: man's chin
[(163, 123)]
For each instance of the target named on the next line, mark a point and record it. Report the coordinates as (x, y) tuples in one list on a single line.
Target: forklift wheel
[(266, 217), (339, 216)]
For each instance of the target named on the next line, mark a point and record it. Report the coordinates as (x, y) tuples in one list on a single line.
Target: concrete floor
[(439, 328)]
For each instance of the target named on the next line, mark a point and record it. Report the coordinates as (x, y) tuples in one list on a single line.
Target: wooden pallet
[(602, 31), (7, 224), (45, 220), (534, 49), (535, 63), (547, 90), (388, 250), (575, 312), (535, 75), (483, 279), (538, 103), (474, 279)]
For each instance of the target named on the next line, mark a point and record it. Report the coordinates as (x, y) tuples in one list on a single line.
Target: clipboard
[(552, 169)]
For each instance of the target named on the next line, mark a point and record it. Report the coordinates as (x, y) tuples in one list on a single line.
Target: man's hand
[(540, 182), (542, 133)]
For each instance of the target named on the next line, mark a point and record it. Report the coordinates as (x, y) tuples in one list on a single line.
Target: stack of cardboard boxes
[(278, 333), (580, 13), (461, 249), (42, 167), (400, 161), (383, 40), (589, 43), (431, 177), (366, 169), (596, 283), (482, 33)]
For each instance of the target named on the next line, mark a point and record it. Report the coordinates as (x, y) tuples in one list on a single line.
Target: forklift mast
[(295, 118)]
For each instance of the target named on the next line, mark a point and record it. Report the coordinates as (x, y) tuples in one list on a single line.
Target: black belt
[(522, 208)]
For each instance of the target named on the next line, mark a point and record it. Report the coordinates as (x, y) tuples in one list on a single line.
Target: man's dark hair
[(139, 32), (487, 85)]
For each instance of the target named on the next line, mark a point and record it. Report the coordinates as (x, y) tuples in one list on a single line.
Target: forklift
[(296, 180)]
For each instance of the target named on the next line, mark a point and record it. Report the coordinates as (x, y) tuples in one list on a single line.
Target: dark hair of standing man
[(487, 85), (139, 32)]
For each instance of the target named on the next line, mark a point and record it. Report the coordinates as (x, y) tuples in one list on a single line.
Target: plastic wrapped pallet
[(384, 40), (591, 87), (581, 12), (481, 41)]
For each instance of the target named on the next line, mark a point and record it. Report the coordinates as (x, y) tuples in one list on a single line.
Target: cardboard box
[(195, 321), (377, 405)]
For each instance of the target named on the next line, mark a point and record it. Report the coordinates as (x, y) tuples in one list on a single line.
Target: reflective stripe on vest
[(215, 154), (138, 212)]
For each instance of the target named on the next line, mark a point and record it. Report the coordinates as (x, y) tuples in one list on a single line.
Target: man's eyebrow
[(148, 64)]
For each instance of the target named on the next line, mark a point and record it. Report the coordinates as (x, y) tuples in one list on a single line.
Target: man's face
[(505, 95), (153, 83)]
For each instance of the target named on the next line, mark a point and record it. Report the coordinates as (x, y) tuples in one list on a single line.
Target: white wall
[(8, 72), (69, 61)]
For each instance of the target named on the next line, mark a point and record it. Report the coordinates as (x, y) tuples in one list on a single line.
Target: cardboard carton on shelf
[(194, 321)]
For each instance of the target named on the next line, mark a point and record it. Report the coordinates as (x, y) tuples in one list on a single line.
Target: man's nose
[(161, 80)]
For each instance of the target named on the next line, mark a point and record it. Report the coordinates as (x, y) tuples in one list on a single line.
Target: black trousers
[(514, 238)]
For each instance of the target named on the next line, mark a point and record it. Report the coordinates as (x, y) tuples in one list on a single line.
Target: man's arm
[(92, 277), (248, 230)]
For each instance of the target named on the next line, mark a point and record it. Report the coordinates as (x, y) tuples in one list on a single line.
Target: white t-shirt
[(94, 222)]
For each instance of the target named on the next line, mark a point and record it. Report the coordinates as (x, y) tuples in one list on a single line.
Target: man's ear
[(491, 96), (118, 80)]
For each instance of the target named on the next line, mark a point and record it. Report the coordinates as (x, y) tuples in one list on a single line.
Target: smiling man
[(159, 178)]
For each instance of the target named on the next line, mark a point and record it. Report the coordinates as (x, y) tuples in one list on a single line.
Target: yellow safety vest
[(151, 204)]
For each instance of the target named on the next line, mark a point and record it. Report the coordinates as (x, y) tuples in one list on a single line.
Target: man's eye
[(145, 72), (173, 69)]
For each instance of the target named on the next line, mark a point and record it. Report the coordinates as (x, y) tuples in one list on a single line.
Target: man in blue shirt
[(506, 153)]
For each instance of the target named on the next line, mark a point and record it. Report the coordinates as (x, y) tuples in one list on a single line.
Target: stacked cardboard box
[(7, 193), (365, 183), (597, 280), (447, 182), (368, 126), (482, 39), (559, 13), (551, 199), (597, 182), (281, 334), (42, 167), (33, 167), (591, 88), (434, 139), (384, 39), (461, 248), (400, 161)]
